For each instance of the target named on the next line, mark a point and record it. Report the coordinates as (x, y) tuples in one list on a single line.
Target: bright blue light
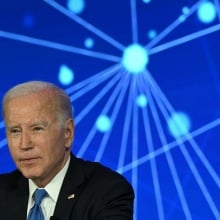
[(135, 58), (65, 75), (103, 123), (152, 34), (206, 12), (76, 6), (89, 42), (179, 124), (141, 101), (146, 1), (185, 10)]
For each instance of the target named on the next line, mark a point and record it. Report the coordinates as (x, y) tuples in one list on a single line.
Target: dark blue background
[(188, 75)]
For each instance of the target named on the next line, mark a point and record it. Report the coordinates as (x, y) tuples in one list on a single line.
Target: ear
[(69, 133)]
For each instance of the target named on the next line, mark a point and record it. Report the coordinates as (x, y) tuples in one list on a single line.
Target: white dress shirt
[(53, 188)]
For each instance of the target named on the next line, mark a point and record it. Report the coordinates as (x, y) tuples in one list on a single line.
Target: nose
[(26, 142)]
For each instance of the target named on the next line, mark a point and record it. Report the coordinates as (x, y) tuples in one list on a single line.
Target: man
[(40, 131)]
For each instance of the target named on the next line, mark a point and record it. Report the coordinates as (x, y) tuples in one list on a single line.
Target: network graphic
[(143, 77)]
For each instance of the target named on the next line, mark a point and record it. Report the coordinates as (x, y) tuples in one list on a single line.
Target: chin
[(30, 172)]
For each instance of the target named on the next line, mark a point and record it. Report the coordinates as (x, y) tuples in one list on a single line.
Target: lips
[(29, 160)]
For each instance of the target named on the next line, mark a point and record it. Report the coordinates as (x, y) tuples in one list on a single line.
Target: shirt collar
[(53, 187)]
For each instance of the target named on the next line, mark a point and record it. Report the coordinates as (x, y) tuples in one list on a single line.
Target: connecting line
[(191, 140), (92, 83), (184, 39), (93, 131), (172, 26), (205, 162), (134, 21), (87, 142), (169, 146), (118, 94), (58, 46), (125, 131), (153, 165), (161, 104), (3, 143), (103, 75), (84, 112), (199, 180), (135, 139), (154, 170), (2, 124), (168, 155), (217, 7), (85, 24), (97, 98)]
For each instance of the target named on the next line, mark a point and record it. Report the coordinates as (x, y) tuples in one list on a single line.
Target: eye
[(15, 131), (37, 129)]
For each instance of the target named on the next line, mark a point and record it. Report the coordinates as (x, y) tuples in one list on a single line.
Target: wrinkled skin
[(39, 145)]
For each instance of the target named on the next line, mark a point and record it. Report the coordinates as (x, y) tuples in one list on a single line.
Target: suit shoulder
[(7, 179), (104, 175), (104, 192)]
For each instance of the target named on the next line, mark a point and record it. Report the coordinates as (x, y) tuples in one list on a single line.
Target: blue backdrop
[(144, 80)]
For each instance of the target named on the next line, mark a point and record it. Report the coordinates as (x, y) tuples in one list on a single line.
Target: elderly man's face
[(39, 145)]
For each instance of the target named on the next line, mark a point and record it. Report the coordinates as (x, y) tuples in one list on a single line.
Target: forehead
[(29, 107)]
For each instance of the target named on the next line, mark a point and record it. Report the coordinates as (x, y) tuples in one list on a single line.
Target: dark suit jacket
[(99, 194)]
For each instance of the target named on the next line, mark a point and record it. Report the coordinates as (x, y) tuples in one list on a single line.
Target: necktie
[(36, 211)]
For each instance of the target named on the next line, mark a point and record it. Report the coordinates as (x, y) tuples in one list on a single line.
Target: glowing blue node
[(135, 58), (146, 1), (152, 34), (179, 124), (103, 123), (65, 75), (76, 6), (182, 18), (89, 43), (206, 12), (141, 101), (185, 10)]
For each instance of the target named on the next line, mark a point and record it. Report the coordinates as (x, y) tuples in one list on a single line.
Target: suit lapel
[(70, 189)]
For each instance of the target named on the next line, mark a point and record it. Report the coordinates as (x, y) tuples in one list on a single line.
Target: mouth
[(28, 161)]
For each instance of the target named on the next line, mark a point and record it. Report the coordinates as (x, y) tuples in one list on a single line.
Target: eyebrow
[(44, 123)]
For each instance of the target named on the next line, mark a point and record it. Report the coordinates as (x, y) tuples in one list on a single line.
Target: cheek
[(57, 152), (53, 151), (13, 148)]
